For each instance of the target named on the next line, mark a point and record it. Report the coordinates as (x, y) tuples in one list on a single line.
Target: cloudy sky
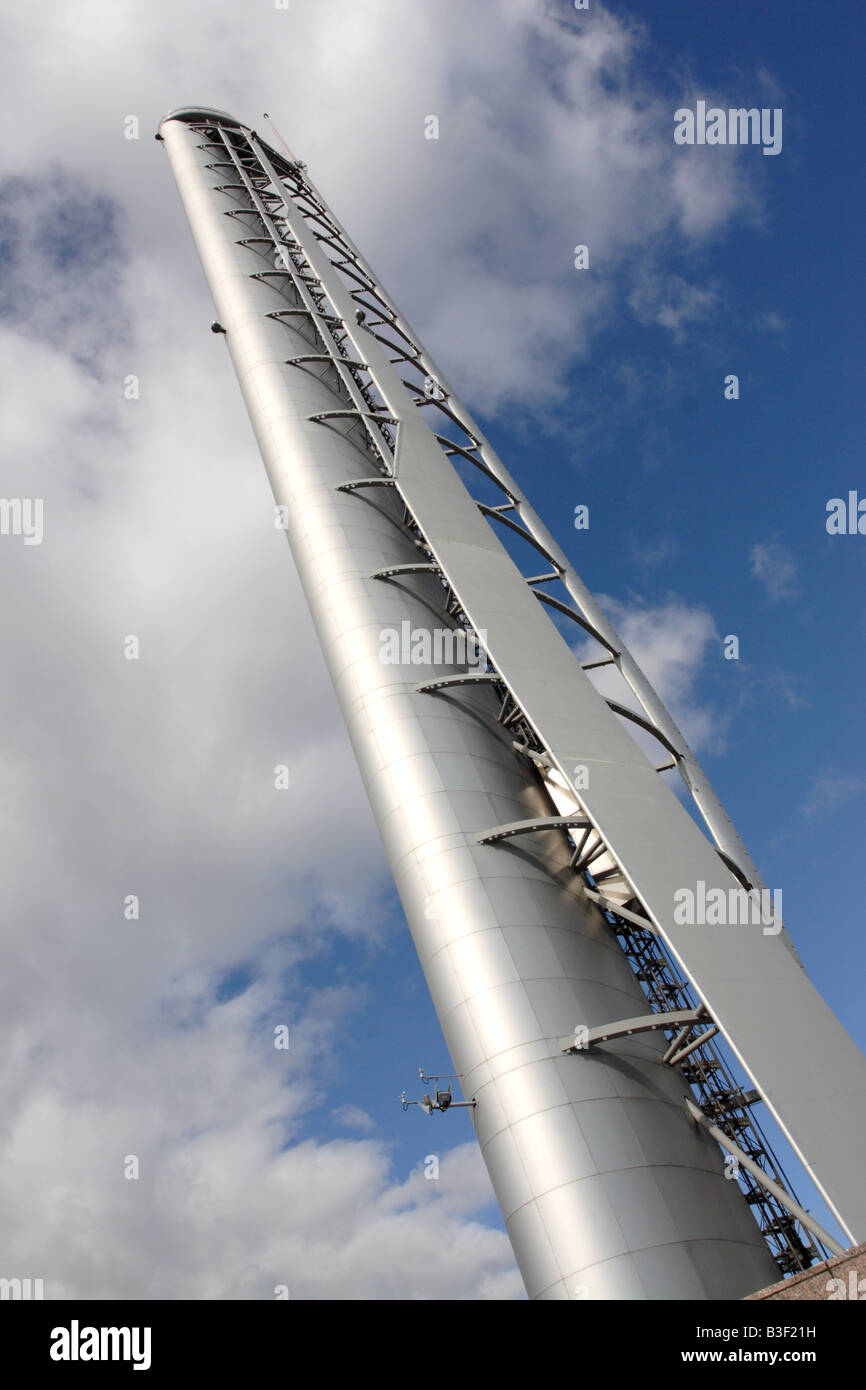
[(153, 1038)]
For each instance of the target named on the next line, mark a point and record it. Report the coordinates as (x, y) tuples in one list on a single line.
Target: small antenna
[(278, 135)]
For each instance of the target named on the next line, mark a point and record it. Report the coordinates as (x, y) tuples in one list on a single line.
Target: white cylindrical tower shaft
[(607, 1186)]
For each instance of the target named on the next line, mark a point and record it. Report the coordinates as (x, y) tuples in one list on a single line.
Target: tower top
[(199, 113)]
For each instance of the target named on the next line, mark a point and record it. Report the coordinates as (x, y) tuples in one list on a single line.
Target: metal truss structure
[(537, 850)]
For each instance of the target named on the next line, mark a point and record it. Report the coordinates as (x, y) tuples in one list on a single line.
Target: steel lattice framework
[(537, 850)]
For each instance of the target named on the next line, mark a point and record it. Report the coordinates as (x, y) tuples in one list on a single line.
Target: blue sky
[(603, 387)]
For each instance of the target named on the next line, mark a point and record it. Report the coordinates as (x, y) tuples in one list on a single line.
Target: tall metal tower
[(542, 858)]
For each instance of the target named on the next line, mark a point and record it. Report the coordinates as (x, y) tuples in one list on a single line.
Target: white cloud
[(551, 134), (828, 791), (671, 302), (221, 1209), (353, 1117), (771, 322), (776, 568)]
